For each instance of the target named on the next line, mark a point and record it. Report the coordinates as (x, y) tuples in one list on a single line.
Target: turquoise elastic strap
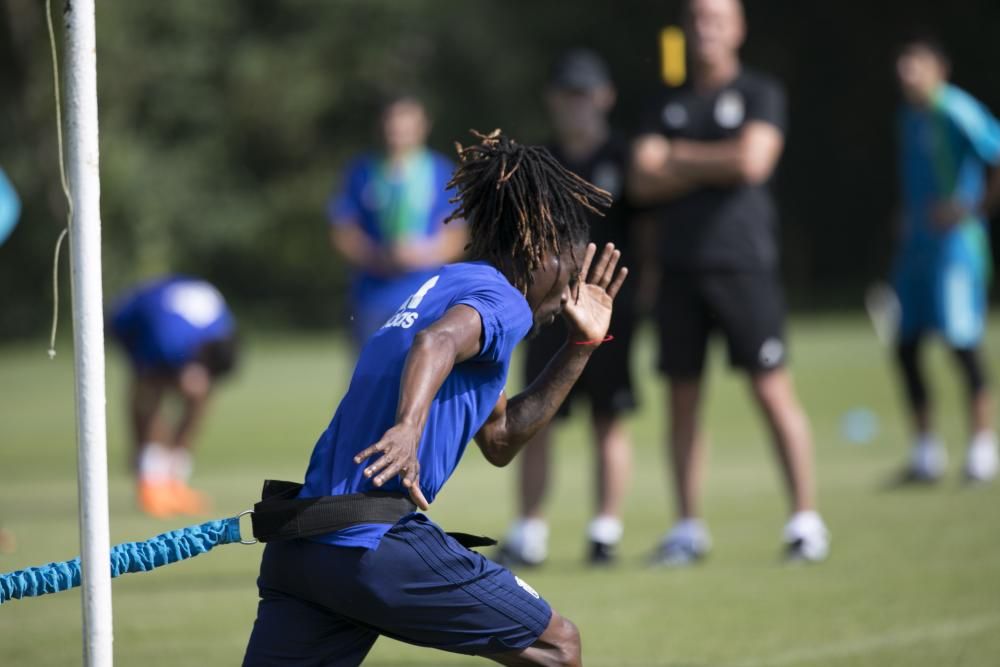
[(130, 557)]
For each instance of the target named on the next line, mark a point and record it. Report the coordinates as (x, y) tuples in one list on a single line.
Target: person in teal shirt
[(387, 219), (948, 140)]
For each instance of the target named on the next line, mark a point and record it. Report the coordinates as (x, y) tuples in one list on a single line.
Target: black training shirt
[(718, 227), (606, 169)]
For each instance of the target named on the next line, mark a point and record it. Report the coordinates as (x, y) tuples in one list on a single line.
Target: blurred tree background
[(224, 125)]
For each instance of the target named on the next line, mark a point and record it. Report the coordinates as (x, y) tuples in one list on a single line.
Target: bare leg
[(981, 408), (686, 448), (146, 397), (614, 464), (790, 431), (194, 384), (558, 646), (534, 478)]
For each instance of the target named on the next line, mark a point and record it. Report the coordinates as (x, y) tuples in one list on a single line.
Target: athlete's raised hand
[(396, 454), (588, 309)]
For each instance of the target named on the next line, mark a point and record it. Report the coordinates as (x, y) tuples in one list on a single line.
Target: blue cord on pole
[(164, 549)]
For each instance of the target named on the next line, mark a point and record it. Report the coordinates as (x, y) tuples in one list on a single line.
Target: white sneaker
[(686, 543), (982, 460), (928, 459), (526, 544), (806, 538)]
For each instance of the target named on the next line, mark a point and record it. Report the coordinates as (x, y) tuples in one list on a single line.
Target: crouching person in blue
[(180, 338), (429, 381)]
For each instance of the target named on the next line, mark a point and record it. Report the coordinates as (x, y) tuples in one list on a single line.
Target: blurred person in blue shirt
[(10, 207), (180, 338), (387, 220), (948, 140)]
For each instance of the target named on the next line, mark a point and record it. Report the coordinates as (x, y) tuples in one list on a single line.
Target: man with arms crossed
[(431, 379), (707, 152), (947, 140)]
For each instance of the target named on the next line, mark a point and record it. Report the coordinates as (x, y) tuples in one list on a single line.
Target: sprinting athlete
[(429, 381), (180, 338), (947, 141)]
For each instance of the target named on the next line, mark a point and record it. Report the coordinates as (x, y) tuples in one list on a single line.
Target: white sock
[(606, 529), (982, 460), (154, 463), (181, 464), (530, 539), (806, 525), (985, 438)]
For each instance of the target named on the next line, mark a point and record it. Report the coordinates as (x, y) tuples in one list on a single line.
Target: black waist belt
[(282, 515)]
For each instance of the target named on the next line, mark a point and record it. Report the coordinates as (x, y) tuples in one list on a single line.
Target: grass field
[(914, 577)]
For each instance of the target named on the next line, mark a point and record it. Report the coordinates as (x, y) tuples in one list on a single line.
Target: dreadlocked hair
[(520, 203)]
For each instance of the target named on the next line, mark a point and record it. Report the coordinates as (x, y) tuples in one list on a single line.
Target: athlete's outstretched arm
[(588, 315), (451, 340)]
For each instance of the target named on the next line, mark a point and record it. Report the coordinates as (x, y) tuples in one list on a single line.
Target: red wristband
[(594, 342)]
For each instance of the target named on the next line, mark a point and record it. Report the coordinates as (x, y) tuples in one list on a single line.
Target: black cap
[(579, 69)]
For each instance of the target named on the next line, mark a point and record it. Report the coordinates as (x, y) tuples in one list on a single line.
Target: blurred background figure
[(707, 153), (181, 339), (387, 221), (10, 207), (947, 141), (580, 96)]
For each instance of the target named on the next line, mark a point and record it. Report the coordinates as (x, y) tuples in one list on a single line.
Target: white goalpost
[(88, 329)]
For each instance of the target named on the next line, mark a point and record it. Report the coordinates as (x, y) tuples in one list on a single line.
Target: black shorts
[(748, 307), (607, 379)]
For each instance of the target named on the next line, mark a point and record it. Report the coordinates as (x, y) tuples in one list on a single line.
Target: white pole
[(88, 329)]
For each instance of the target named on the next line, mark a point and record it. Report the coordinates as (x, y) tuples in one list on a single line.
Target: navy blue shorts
[(326, 605)]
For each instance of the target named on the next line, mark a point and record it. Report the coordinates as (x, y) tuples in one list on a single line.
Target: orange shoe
[(156, 499), (188, 501)]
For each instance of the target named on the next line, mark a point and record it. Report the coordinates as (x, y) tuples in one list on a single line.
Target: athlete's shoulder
[(472, 275)]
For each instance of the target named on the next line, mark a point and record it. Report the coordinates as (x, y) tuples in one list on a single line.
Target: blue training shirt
[(944, 152), (163, 323), (461, 407)]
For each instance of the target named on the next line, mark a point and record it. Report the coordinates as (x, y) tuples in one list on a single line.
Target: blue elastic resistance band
[(155, 552)]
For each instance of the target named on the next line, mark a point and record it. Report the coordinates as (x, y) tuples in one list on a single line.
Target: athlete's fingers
[(588, 258), (371, 451), (378, 465), (597, 272), (616, 284), (417, 496), (389, 472), (609, 272)]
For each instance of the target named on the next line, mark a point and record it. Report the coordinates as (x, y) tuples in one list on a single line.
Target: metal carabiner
[(240, 516)]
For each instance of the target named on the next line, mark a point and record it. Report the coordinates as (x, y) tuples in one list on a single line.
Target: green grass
[(914, 578)]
